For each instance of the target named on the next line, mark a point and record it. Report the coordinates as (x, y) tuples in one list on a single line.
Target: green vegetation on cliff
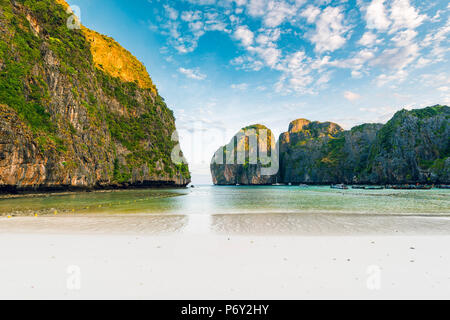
[(49, 77), (413, 147), (242, 161)]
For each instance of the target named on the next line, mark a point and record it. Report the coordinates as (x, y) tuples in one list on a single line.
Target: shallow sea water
[(279, 210)]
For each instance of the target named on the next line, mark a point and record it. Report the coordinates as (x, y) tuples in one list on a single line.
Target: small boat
[(303, 186), (443, 186), (412, 187), (339, 186), (359, 187), (404, 187), (424, 187), (374, 188)]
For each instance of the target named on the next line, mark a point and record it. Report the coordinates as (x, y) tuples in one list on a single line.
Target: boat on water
[(375, 188), (368, 187), (412, 187), (443, 186), (424, 187), (303, 186), (339, 186)]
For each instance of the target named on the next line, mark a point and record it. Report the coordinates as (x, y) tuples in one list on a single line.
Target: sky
[(225, 64)]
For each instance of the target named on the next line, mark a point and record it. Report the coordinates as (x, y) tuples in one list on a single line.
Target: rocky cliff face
[(247, 159), (69, 116), (352, 151), (323, 153), (302, 151), (413, 147)]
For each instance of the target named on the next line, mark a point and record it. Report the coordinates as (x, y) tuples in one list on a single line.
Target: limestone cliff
[(247, 159), (413, 147), (302, 152), (77, 110)]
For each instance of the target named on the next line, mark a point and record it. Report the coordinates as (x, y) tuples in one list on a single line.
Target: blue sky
[(222, 65)]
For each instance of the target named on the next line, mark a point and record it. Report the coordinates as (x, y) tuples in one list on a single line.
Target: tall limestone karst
[(76, 109), (249, 158), (301, 151), (413, 147)]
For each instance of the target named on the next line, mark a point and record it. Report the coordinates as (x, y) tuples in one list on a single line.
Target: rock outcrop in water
[(76, 109), (249, 159), (413, 147), (302, 148), (323, 153)]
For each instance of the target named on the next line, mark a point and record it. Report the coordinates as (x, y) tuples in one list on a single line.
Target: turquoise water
[(214, 200)]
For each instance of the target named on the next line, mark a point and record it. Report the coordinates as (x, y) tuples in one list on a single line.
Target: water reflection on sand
[(328, 224), (232, 210), (89, 224)]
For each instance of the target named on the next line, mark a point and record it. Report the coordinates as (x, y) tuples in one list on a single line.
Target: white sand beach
[(89, 258)]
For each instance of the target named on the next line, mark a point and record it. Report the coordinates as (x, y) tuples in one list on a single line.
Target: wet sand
[(263, 224), (225, 257)]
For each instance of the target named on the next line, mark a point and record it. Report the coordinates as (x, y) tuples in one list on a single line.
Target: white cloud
[(202, 2), (241, 86), (268, 29), (397, 58), (192, 74), (330, 30), (376, 16), (244, 35), (435, 80), (396, 77), (190, 16), (404, 38), (351, 96), (368, 39), (405, 16), (323, 79), (262, 53), (310, 13), (257, 7), (436, 37), (277, 12), (268, 37), (247, 63), (171, 12), (434, 40), (269, 55), (423, 62), (184, 30), (297, 74), (357, 63)]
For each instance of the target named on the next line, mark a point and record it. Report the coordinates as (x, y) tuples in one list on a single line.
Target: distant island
[(413, 147), (77, 111)]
